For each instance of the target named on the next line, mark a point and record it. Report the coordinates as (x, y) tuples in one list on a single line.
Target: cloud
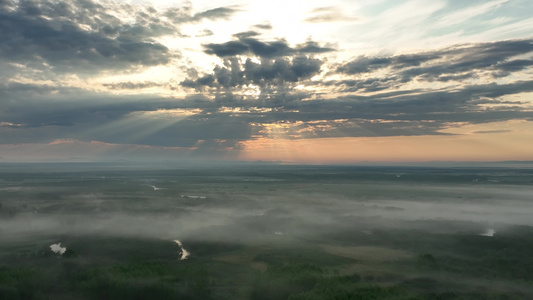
[(279, 67), (216, 13), (132, 85), (468, 13), (246, 34), (376, 97), (252, 46), (156, 121), (327, 14), (265, 26), (205, 32), (260, 88), (276, 68), (180, 15), (230, 48), (452, 63), (236, 74), (491, 131), (80, 36), (10, 125), (372, 84), (311, 47), (364, 64)]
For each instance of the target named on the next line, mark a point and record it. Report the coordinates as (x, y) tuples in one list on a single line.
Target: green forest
[(290, 233)]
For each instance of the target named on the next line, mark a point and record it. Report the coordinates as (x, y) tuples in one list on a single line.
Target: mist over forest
[(265, 231)]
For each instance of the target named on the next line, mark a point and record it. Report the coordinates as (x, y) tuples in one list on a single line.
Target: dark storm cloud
[(80, 36), (253, 46), (453, 63)]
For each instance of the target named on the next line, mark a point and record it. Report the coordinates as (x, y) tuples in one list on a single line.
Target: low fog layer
[(239, 204)]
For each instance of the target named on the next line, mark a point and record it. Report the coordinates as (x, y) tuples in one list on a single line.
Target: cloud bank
[(77, 70)]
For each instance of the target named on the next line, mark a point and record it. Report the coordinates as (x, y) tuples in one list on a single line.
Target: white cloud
[(468, 13)]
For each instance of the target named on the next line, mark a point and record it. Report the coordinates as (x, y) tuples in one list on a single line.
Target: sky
[(338, 81)]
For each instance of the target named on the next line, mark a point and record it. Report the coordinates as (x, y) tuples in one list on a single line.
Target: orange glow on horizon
[(465, 147)]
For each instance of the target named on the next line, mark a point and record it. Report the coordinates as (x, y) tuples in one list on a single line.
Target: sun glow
[(512, 141)]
